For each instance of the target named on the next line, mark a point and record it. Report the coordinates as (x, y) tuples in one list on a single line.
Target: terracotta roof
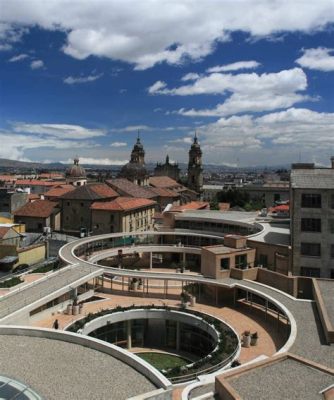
[(164, 192), (96, 191), (129, 189), (33, 196), (163, 182), (50, 175), (7, 178), (36, 182), (4, 231), (38, 209), (193, 205), (58, 191), (122, 204)]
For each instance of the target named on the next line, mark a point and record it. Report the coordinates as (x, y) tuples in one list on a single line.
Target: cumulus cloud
[(190, 77), (71, 80), (18, 144), (276, 137), (150, 32), (118, 144), (234, 66), (97, 161), (19, 57), (37, 64), (132, 128), (247, 92), (62, 131), (10, 34), (321, 59)]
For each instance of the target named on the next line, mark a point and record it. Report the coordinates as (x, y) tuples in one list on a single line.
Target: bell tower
[(195, 170)]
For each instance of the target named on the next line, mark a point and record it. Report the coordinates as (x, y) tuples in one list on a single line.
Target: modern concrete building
[(269, 193), (312, 220)]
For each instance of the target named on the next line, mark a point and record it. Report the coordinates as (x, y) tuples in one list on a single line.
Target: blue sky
[(254, 78)]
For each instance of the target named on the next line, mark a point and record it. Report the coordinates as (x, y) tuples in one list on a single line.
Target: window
[(82, 204), (225, 263), (68, 203), (311, 200), (111, 218), (241, 261), (310, 225), (311, 272), (332, 250), (310, 249), (263, 260), (331, 225)]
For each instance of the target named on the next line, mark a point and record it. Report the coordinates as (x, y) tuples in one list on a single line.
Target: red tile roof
[(58, 191), (33, 196), (36, 182), (163, 182), (38, 209), (129, 189), (193, 205), (3, 231), (122, 204), (96, 191), (162, 192)]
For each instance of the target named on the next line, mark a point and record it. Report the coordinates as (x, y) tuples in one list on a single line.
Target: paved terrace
[(51, 284), (286, 379), (327, 293), (58, 370), (309, 342)]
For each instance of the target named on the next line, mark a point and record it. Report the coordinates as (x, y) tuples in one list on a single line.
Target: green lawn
[(163, 361)]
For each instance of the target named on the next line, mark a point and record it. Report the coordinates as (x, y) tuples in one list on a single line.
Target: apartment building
[(312, 221)]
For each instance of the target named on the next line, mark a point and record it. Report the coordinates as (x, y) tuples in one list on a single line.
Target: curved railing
[(219, 330)]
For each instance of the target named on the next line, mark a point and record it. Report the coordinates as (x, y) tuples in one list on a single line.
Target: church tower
[(195, 170)]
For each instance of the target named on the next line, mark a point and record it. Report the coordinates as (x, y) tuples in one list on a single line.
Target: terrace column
[(177, 336), (128, 334), (151, 260)]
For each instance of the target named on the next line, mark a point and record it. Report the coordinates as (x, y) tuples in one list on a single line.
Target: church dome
[(133, 171), (76, 170)]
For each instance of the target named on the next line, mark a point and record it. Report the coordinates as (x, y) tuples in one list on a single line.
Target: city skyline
[(83, 78)]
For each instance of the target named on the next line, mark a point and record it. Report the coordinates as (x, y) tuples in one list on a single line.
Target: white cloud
[(19, 57), (62, 131), (132, 128), (246, 92), (321, 59), (184, 140), (157, 88), (190, 77), (18, 144), (234, 66), (37, 64), (149, 32), (118, 144), (71, 80), (9, 35), (97, 161), (274, 138)]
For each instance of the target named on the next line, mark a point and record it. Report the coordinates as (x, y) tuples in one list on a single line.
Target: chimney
[(332, 162)]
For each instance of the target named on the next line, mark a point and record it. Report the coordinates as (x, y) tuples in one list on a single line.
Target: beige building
[(75, 206), (38, 215), (216, 260), (123, 214), (312, 220)]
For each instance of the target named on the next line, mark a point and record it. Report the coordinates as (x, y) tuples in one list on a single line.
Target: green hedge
[(11, 282)]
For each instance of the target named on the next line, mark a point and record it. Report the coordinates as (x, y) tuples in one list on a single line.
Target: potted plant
[(140, 284), (184, 299), (134, 284), (254, 338), (246, 339)]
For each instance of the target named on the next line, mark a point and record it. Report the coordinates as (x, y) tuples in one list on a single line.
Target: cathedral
[(195, 169), (171, 170), (136, 172)]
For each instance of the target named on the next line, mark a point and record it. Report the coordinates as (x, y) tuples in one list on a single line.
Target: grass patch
[(11, 282), (163, 361)]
